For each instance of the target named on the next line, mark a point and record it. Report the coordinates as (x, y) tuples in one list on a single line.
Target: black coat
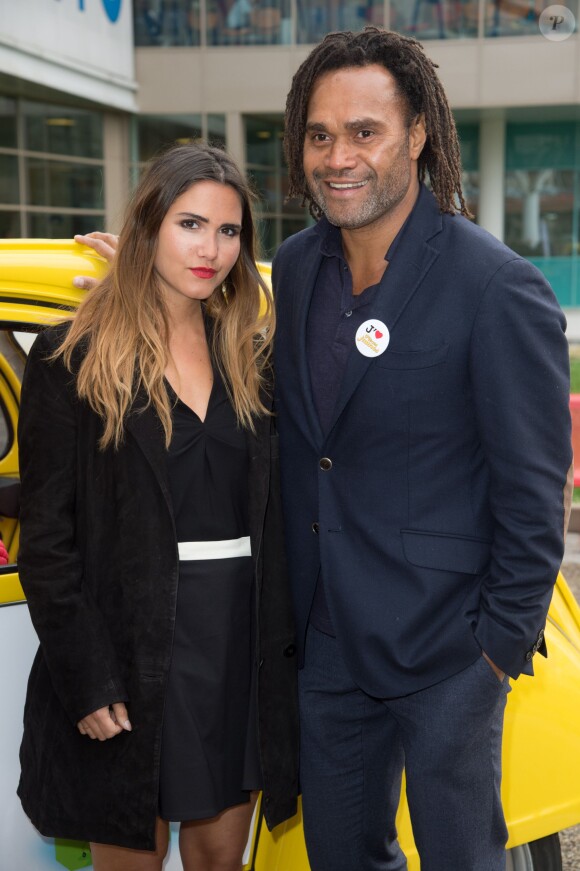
[(99, 565)]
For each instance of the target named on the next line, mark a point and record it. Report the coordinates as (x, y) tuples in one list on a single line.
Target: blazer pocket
[(452, 553), (412, 359)]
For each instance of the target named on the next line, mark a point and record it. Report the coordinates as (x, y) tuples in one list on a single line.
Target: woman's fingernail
[(78, 282), (127, 725)]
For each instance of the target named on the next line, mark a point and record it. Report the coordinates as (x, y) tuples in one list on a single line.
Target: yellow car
[(541, 788)]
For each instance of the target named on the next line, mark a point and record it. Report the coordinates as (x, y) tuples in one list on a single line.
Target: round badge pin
[(372, 338)]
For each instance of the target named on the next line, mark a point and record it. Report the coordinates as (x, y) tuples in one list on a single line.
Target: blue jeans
[(354, 748)]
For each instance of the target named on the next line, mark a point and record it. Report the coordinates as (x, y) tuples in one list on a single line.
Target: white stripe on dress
[(225, 549)]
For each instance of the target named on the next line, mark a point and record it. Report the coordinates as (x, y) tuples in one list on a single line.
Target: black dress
[(209, 751)]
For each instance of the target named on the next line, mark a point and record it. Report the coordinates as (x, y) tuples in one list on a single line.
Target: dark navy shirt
[(334, 317)]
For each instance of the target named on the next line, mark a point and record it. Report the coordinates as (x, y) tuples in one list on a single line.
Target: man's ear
[(417, 136)]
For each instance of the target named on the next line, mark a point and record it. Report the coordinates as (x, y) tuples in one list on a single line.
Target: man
[(422, 404)]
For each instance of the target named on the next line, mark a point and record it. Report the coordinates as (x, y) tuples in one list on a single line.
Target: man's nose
[(341, 155)]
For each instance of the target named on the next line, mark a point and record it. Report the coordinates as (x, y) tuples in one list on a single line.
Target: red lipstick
[(203, 272)]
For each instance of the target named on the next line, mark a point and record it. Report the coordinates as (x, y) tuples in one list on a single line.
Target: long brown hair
[(419, 85), (122, 324)]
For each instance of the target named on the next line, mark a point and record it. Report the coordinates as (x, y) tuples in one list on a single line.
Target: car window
[(12, 359)]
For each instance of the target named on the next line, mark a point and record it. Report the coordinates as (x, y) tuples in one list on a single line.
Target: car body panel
[(542, 733)]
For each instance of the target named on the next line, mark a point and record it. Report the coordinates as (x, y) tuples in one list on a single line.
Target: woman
[(151, 551)]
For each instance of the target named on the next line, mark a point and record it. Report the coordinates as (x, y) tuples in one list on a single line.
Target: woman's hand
[(4, 558), (106, 722), (104, 244)]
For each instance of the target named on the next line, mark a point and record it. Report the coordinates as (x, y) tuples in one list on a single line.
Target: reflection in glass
[(519, 17), (57, 183), (58, 226), (155, 132), (539, 212), (316, 18), (62, 130), (7, 123), (9, 192), (248, 22), (434, 19), (166, 22)]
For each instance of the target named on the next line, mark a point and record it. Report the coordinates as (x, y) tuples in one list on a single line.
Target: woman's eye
[(231, 232), (190, 224)]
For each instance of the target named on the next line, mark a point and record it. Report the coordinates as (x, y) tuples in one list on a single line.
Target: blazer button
[(290, 650), (325, 464), (315, 528)]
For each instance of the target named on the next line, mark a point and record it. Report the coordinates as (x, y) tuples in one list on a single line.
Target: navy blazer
[(439, 520)]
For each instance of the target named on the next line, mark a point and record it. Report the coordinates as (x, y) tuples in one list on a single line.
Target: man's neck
[(365, 248)]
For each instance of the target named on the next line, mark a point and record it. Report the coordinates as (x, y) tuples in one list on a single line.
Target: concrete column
[(235, 138), (492, 174), (116, 149)]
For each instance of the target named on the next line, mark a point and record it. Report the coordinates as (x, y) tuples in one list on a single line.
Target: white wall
[(81, 47)]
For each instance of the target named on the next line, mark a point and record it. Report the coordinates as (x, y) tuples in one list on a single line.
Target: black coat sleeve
[(74, 639)]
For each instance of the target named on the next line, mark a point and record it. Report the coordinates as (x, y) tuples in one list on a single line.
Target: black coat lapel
[(145, 427)]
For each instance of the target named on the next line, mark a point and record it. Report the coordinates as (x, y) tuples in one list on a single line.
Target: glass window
[(267, 171), (263, 141), (537, 145), (216, 130), (316, 18), (9, 191), (58, 226), (166, 22), (434, 19), (470, 186), (7, 123), (264, 184), (71, 185), (10, 225), (248, 22), (539, 212), (519, 17), (63, 130), (469, 143), (155, 132)]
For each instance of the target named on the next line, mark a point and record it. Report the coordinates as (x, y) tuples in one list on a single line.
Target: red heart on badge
[(378, 334)]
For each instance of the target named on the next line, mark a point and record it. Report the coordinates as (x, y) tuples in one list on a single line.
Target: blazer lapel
[(403, 277), (145, 427)]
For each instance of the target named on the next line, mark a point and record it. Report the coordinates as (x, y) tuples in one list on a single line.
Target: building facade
[(75, 127)]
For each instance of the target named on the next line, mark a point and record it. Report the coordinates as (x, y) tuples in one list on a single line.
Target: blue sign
[(113, 9)]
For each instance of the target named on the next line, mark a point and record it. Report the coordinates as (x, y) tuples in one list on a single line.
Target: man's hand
[(106, 722), (104, 244), (498, 672)]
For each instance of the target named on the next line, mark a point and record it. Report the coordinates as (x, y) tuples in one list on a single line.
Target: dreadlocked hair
[(419, 85)]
